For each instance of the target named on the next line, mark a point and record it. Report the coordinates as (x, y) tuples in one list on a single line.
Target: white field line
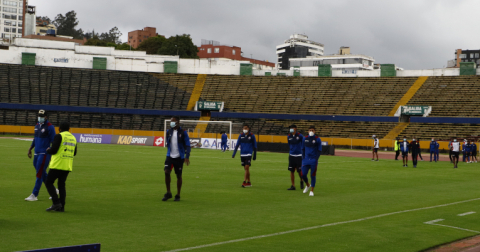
[(325, 225), (434, 222), (467, 213)]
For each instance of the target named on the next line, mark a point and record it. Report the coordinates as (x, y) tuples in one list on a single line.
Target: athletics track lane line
[(320, 226)]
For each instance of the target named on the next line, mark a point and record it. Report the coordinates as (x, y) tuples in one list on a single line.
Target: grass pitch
[(114, 198)]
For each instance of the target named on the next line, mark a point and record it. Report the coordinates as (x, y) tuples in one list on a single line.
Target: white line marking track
[(434, 222), (331, 224), (467, 213)]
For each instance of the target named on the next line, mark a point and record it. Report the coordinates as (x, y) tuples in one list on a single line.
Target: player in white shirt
[(376, 146), (455, 147)]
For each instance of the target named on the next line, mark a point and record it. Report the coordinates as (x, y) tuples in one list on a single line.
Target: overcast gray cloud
[(414, 34)]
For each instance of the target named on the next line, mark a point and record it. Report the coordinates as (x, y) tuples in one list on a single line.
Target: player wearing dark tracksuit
[(224, 142), (248, 149), (295, 142), (415, 149), (311, 150), (474, 152), (433, 150), (43, 137), (437, 152), (468, 150)]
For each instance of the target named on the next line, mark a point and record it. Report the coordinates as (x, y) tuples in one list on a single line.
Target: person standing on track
[(224, 141), (455, 147), (474, 152), (433, 150), (248, 148), (376, 146), (63, 149), (415, 149), (178, 153), (397, 148), (404, 148), (44, 135), (468, 151), (311, 151), (419, 149), (450, 150), (295, 142)]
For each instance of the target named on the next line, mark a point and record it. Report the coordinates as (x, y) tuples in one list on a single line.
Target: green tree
[(66, 25), (112, 36), (152, 44), (123, 46), (96, 42), (181, 45)]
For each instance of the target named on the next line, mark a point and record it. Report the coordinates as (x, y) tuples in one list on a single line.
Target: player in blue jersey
[(433, 150), (311, 150), (474, 152), (43, 138), (295, 142), (224, 143), (468, 150), (248, 149)]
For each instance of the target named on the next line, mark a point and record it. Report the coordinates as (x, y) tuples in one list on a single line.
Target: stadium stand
[(441, 131)]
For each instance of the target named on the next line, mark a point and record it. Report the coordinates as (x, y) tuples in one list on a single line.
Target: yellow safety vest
[(396, 145), (63, 160)]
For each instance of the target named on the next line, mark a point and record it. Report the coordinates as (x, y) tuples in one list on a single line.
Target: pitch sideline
[(320, 226)]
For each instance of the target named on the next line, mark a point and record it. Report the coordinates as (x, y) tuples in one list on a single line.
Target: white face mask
[(404, 139), (454, 140), (311, 133), (291, 130), (41, 119), (245, 131), (414, 139), (433, 140), (173, 124)]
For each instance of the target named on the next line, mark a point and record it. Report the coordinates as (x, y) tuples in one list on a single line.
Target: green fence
[(388, 70), (325, 70), (99, 63), (170, 67), (468, 68), (246, 69), (268, 73), (296, 71), (28, 59)]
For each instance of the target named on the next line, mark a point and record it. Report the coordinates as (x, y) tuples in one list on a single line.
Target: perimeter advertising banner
[(92, 138), (133, 140), (216, 144)]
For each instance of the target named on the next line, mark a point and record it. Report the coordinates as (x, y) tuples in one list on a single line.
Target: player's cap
[(42, 113), (293, 126)]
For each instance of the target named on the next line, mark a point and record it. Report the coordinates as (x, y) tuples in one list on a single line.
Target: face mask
[(404, 139), (454, 140), (433, 140), (291, 130), (414, 139), (311, 133), (173, 124), (41, 119), (245, 131)]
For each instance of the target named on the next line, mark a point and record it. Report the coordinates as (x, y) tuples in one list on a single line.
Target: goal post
[(198, 129)]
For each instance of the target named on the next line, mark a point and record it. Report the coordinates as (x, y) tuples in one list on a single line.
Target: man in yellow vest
[(63, 149), (397, 148)]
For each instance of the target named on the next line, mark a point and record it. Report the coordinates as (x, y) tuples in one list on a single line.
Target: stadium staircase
[(202, 127), (197, 91), (396, 131), (409, 94)]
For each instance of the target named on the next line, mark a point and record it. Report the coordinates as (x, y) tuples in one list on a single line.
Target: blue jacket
[(468, 147), (247, 144), (224, 138), (464, 148), (311, 150), (183, 143), (295, 142), (44, 135), (433, 146), (474, 147), (403, 148), (438, 148)]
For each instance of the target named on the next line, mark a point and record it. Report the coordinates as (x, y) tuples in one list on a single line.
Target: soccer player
[(311, 150), (224, 141), (419, 149), (468, 150), (474, 152), (455, 147), (248, 147), (464, 150), (404, 148), (375, 147), (295, 141), (397, 148), (178, 153), (415, 148), (433, 150), (44, 135), (437, 151)]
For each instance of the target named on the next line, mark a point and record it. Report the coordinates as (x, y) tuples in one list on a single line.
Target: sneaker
[(301, 185), (177, 198), (306, 189), (58, 192), (60, 210), (54, 207), (248, 184), (311, 193), (244, 184), (291, 188), (373, 159), (32, 197), (414, 166), (167, 196), (376, 160)]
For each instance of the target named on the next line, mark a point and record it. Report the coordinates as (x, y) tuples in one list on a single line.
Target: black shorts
[(375, 150), (455, 154), (246, 161), (174, 163), (404, 154), (294, 163), (474, 154)]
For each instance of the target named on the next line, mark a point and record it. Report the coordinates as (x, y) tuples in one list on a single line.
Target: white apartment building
[(348, 63), (298, 46), (11, 19)]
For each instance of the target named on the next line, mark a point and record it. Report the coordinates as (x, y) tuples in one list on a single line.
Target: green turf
[(115, 191)]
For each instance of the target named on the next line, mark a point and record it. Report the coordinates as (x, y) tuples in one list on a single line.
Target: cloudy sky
[(414, 34)]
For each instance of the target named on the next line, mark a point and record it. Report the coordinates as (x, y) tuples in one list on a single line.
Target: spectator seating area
[(441, 131), (455, 96)]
